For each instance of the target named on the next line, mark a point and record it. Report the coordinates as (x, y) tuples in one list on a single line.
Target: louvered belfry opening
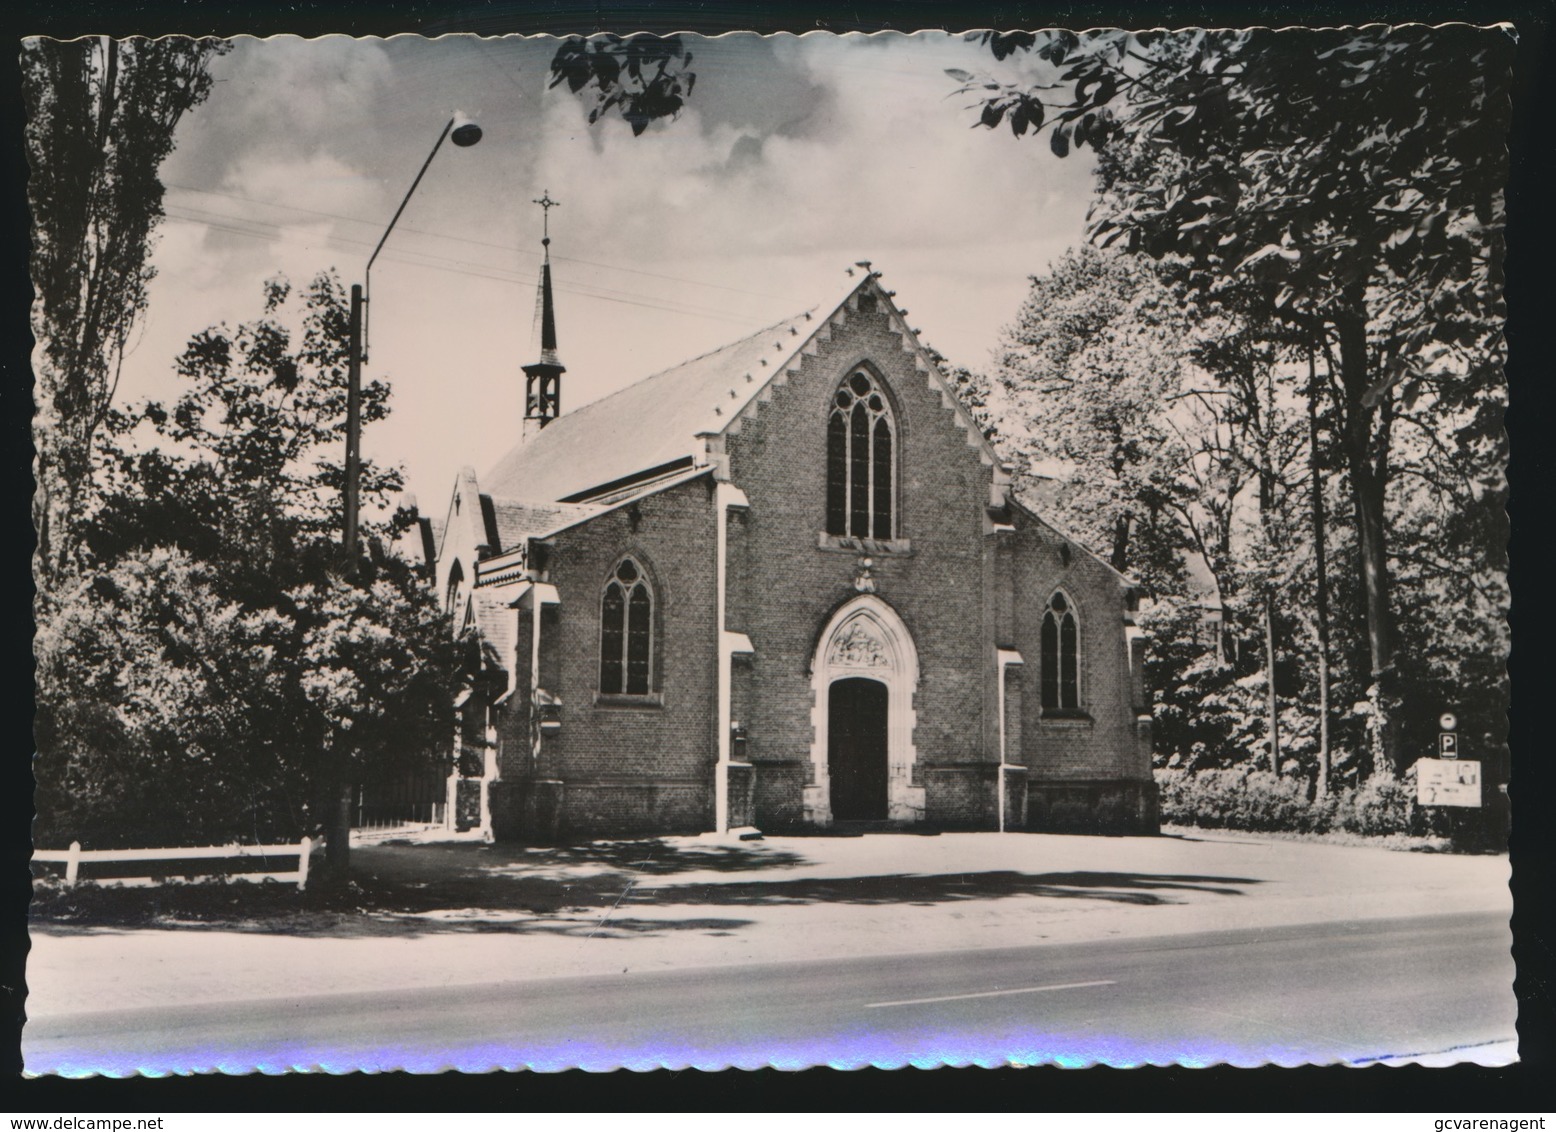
[(543, 378), (860, 460)]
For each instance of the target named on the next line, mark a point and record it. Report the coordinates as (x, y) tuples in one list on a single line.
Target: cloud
[(284, 98), (795, 156)]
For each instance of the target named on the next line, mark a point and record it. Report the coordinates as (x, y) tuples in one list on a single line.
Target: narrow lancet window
[(882, 474), (837, 475)]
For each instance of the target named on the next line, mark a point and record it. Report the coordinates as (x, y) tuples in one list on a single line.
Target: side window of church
[(860, 460), (626, 632), (1060, 687)]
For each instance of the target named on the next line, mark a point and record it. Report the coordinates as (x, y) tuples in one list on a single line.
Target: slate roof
[(510, 521), (650, 423), (497, 623)]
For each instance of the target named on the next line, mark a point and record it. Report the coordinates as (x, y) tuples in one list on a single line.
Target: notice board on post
[(1448, 782)]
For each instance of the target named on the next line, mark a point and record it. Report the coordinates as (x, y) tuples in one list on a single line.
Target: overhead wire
[(263, 230), (527, 252)]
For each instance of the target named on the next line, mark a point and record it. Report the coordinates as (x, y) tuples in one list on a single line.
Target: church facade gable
[(838, 616)]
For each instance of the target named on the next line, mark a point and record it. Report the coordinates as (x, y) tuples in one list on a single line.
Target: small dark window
[(861, 458), (1059, 677), (626, 632)]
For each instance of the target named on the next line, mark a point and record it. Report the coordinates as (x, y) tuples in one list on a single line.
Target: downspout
[(725, 496), (1004, 659)]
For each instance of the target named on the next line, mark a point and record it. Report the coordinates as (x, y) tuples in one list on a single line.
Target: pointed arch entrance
[(863, 678)]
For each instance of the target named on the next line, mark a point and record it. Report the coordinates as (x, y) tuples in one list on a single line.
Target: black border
[(1445, 1091)]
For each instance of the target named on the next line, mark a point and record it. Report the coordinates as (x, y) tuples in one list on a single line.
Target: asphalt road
[(1328, 992)]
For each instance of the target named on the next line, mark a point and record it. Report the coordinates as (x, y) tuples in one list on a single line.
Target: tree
[(1153, 429), (642, 77), (1088, 374), (161, 713), (101, 118), (170, 711), (1348, 181), (245, 467), (214, 657)]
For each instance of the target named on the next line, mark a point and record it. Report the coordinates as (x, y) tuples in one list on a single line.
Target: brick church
[(785, 585)]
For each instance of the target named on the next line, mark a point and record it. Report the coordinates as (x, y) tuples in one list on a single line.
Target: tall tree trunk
[(337, 835), (1120, 559), (1367, 492), (1321, 578), (1273, 704), (1267, 485)]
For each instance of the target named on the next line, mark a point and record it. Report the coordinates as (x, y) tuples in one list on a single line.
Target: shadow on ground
[(652, 858), (607, 890), (929, 889)]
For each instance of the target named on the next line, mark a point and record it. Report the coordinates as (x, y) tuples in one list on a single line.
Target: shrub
[(1259, 802), (1239, 799)]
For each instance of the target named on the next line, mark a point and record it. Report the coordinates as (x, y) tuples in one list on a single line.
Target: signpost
[(1448, 780)]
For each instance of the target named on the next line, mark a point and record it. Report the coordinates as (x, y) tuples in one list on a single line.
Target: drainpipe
[(1004, 658), (725, 496)]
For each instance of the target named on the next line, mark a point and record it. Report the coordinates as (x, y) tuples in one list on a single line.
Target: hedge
[(1258, 801)]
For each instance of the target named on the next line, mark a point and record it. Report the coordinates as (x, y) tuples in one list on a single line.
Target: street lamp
[(464, 133)]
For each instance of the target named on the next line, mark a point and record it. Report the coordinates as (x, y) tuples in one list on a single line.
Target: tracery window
[(626, 632), (1060, 685), (860, 460)]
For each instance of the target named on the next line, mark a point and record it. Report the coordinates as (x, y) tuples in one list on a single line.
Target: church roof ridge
[(655, 422), (684, 362)]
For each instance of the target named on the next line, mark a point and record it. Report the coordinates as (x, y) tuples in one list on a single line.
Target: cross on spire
[(546, 204), (543, 379)]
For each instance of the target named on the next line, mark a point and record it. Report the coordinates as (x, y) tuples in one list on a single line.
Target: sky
[(794, 158)]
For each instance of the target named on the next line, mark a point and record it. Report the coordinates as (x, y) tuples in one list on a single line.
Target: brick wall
[(624, 766), (961, 591), (789, 586), (1094, 764)]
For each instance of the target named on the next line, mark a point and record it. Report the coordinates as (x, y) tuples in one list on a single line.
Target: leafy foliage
[(1338, 191), (211, 675), (101, 116), (641, 77), (1120, 395), (246, 466), (160, 710), (1087, 374)]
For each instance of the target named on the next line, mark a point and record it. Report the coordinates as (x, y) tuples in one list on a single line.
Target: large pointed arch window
[(861, 460), (627, 632), (1060, 664)]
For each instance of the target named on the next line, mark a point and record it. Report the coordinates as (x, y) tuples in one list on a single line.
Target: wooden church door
[(856, 749)]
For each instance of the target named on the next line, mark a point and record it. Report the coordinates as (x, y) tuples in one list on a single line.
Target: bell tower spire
[(543, 379)]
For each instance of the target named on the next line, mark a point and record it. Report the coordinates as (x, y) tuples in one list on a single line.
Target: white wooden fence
[(73, 857)]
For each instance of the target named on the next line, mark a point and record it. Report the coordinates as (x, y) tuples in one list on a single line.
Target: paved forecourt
[(696, 902)]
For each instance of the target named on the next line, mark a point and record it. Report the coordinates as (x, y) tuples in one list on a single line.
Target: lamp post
[(464, 133)]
